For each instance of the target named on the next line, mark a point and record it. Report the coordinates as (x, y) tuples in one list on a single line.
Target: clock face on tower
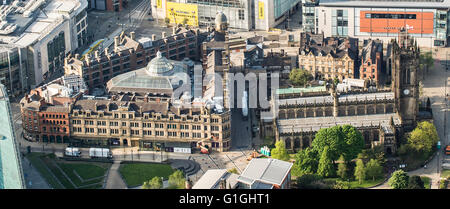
[(406, 92)]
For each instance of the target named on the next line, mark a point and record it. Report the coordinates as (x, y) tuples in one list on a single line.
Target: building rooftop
[(11, 176), (159, 76), (211, 179), (266, 171), (301, 90), (438, 4), (316, 123)]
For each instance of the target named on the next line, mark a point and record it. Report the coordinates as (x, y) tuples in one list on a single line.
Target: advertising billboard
[(158, 3), (261, 10), (391, 22), (177, 12)]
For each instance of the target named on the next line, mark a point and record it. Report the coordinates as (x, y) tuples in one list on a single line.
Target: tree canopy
[(299, 77), (343, 140), (155, 183), (360, 171), (280, 152), (176, 180), (326, 168), (306, 162), (415, 182), (342, 168), (399, 180), (423, 137), (373, 169)]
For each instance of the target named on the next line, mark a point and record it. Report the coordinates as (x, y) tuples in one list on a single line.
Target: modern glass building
[(241, 14), (11, 173), (426, 20)]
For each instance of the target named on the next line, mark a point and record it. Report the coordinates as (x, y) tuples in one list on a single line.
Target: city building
[(328, 58), (107, 5), (260, 173), (242, 14), (36, 35), (266, 173), (309, 17), (371, 60), (426, 20), (129, 53), (381, 115), (217, 179), (150, 108), (45, 110), (11, 173)]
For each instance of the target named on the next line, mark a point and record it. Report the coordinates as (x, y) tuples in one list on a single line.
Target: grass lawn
[(355, 184), (445, 174), (35, 159), (87, 172), (426, 182), (365, 184), (48, 167), (135, 174)]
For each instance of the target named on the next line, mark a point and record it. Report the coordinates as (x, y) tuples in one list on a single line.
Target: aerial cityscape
[(224, 94)]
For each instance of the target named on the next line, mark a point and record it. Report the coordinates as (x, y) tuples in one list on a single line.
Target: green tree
[(360, 171), (146, 185), (342, 168), (343, 140), (415, 182), (423, 137), (234, 170), (306, 162), (373, 169), (341, 185), (376, 152), (326, 168), (280, 152), (156, 183), (310, 181), (399, 180), (176, 180), (299, 77)]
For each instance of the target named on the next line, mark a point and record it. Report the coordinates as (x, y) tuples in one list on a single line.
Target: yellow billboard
[(158, 3), (261, 10), (177, 12)]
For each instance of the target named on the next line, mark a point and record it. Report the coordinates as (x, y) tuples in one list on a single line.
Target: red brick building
[(371, 60), (45, 111)]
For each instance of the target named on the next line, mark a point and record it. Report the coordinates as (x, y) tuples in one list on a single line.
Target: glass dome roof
[(159, 65)]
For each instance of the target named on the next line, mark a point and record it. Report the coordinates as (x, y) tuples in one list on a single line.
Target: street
[(435, 87)]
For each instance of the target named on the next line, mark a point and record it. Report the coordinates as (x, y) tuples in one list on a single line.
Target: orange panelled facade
[(421, 24)]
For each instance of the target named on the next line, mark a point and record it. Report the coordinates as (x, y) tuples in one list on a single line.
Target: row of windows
[(54, 122), (53, 116), (390, 16), (144, 125), (54, 129)]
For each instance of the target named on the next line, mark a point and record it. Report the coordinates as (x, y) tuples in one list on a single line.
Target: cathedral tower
[(405, 83)]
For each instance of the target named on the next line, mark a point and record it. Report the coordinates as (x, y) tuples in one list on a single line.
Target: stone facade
[(328, 58)]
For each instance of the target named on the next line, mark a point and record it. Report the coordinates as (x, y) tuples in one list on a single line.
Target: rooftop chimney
[(174, 30), (96, 54), (106, 51), (163, 34), (77, 56), (133, 35), (153, 37)]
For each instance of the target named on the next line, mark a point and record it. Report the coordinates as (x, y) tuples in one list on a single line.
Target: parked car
[(72, 152)]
